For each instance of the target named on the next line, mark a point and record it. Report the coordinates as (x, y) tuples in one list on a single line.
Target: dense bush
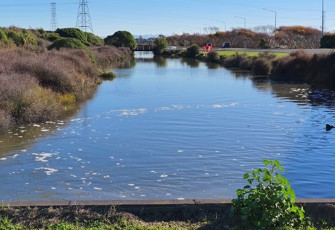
[(15, 36), (4, 40), (294, 68), (160, 45), (105, 56), (53, 37), (32, 85), (71, 43), (267, 201), (94, 40), (192, 51), (261, 66), (121, 39), (328, 41), (213, 56), (73, 33)]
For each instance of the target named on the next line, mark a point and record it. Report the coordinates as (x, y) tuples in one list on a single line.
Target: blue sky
[(168, 16)]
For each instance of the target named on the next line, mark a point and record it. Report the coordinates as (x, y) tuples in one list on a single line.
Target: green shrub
[(264, 44), (328, 41), (71, 43), (53, 37), (121, 39), (4, 39), (160, 45), (94, 40), (192, 51), (73, 33), (108, 76), (29, 38), (15, 37), (267, 202)]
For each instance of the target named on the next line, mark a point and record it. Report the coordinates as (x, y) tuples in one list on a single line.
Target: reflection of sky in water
[(171, 133)]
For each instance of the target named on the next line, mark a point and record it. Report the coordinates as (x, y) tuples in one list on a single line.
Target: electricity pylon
[(53, 24), (83, 18)]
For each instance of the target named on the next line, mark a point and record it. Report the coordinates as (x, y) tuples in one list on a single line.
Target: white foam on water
[(180, 198), (131, 185), (45, 130), (3, 159), (48, 171), (43, 157), (164, 175), (98, 189), (53, 188)]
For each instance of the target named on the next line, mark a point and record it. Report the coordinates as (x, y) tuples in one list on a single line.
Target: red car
[(208, 47)]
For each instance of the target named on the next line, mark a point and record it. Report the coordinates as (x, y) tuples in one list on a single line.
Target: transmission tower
[(53, 24), (83, 18)]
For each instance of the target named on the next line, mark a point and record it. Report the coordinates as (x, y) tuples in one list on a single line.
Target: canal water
[(173, 129)]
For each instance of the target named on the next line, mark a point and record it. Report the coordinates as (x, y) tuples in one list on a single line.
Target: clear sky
[(168, 16)]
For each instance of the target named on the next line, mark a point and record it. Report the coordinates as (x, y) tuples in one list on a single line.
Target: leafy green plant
[(160, 45), (192, 51), (121, 39), (268, 201)]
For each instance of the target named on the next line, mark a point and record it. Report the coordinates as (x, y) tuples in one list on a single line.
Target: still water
[(173, 129)]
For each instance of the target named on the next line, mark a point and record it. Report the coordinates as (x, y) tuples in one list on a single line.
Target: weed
[(267, 202)]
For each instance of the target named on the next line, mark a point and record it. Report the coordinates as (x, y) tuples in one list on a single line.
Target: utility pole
[(275, 16), (323, 18), (53, 24), (83, 18), (245, 21)]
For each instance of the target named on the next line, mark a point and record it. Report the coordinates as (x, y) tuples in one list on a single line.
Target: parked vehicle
[(208, 47), (225, 45)]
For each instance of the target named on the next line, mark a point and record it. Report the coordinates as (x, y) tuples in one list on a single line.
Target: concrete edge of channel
[(140, 202)]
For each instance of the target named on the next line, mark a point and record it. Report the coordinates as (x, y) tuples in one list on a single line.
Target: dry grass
[(317, 69), (107, 55), (32, 84)]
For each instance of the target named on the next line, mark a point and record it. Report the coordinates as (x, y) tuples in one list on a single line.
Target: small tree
[(268, 205), (328, 41), (192, 51), (121, 39), (160, 45)]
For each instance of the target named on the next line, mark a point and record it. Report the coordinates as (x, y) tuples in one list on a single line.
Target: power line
[(83, 18)]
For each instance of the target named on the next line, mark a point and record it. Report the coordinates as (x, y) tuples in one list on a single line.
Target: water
[(172, 129)]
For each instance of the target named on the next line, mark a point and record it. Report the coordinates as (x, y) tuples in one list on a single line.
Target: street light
[(275, 16), (225, 28), (245, 21)]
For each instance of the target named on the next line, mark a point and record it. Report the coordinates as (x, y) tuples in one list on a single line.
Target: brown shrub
[(213, 56), (107, 55), (246, 64), (294, 68), (261, 66), (234, 61)]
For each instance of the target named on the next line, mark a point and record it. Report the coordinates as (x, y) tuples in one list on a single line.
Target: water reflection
[(160, 61), (193, 63), (24, 136)]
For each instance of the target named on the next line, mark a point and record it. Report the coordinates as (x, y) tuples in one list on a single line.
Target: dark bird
[(329, 127)]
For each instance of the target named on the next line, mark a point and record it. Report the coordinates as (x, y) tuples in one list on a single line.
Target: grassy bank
[(182, 216), (229, 53), (298, 67)]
